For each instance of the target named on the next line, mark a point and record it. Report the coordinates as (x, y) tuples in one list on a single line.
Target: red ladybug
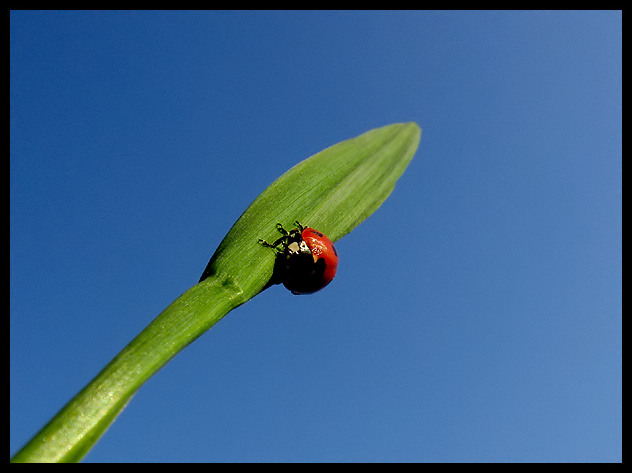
[(306, 259)]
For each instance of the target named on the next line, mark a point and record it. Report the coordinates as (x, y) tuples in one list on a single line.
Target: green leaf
[(332, 191)]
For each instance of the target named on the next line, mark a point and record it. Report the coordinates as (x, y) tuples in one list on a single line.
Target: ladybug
[(306, 259)]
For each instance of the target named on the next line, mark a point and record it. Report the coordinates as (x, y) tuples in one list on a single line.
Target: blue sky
[(476, 316)]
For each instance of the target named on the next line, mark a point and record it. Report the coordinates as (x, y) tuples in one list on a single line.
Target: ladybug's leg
[(265, 243), (281, 230), (285, 240), (277, 242), (272, 245)]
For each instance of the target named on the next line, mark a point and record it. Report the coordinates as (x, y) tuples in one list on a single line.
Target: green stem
[(73, 431)]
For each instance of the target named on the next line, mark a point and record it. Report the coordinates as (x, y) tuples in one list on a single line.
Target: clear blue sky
[(476, 316)]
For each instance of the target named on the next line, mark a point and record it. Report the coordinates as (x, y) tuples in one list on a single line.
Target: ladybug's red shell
[(322, 247)]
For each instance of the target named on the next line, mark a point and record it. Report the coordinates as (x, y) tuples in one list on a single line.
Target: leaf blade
[(333, 191)]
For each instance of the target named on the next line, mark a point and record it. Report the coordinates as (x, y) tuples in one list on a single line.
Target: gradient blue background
[(476, 316)]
